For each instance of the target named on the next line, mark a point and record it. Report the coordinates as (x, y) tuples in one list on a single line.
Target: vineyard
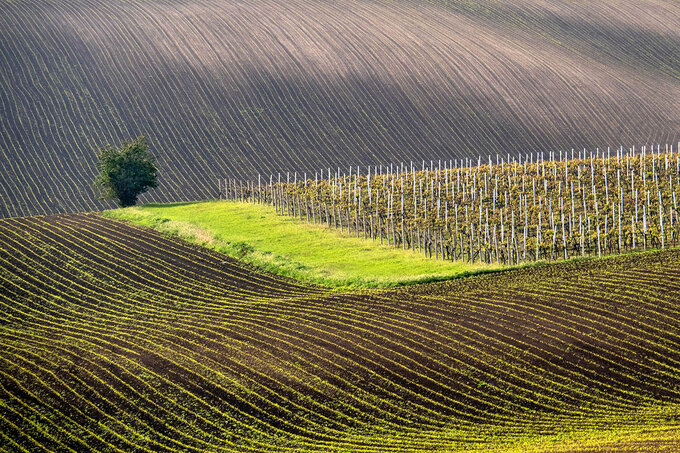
[(259, 86), (510, 211), (116, 338)]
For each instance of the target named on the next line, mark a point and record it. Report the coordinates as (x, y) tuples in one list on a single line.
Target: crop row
[(116, 338), (223, 88), (513, 211)]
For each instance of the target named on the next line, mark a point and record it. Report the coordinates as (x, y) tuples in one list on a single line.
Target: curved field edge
[(286, 246), (117, 338)]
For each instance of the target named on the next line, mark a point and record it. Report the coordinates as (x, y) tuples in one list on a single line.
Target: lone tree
[(126, 172)]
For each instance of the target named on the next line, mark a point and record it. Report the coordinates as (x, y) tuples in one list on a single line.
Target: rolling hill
[(117, 338), (246, 87)]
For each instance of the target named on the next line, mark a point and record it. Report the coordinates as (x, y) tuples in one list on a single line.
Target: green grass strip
[(287, 246)]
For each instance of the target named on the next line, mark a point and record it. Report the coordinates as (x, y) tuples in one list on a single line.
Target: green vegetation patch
[(294, 248)]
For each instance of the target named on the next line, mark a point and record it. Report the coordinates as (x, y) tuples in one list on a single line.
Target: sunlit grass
[(294, 248)]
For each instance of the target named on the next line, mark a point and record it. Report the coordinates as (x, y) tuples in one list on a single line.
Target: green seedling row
[(117, 338)]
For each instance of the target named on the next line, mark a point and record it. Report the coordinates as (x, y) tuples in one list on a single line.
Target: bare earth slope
[(115, 338), (237, 88)]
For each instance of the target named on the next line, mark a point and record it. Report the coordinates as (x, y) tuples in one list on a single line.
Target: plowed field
[(115, 338), (260, 86)]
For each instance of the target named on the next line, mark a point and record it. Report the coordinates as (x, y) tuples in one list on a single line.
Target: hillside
[(116, 338), (240, 88)]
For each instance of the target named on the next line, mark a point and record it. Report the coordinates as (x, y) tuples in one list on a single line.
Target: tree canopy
[(126, 172)]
